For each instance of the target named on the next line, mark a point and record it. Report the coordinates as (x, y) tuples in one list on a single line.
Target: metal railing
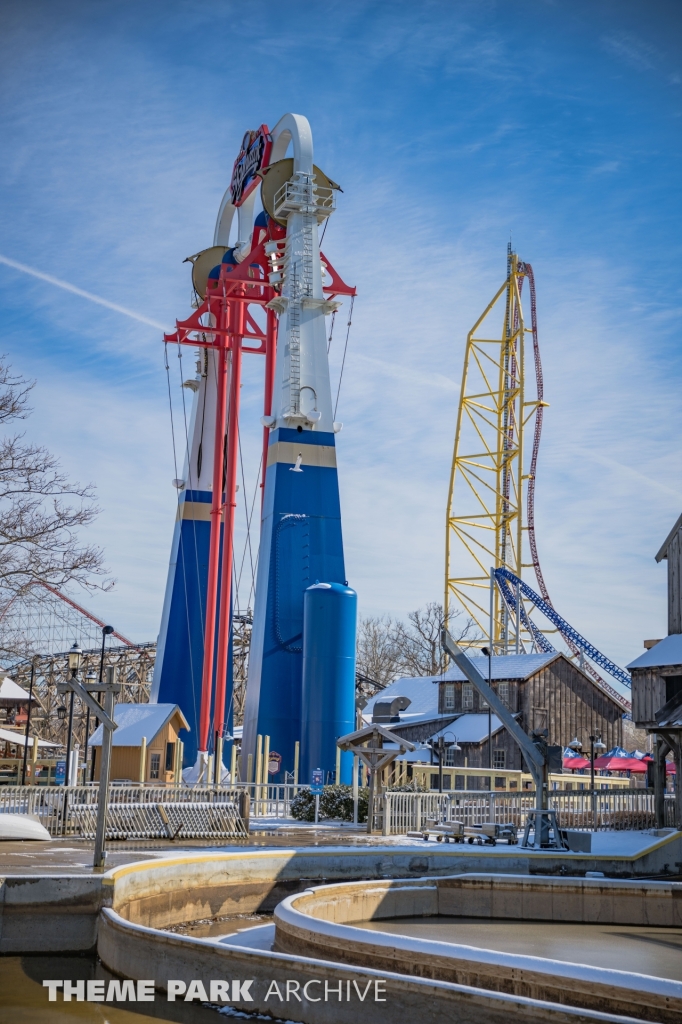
[(135, 812), (184, 812), (603, 810)]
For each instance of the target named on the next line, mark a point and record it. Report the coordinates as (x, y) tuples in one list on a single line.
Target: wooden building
[(671, 552), (145, 747), (657, 682), (544, 691)]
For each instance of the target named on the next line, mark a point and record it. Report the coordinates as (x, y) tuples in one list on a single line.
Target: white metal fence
[(135, 812), (604, 810), (148, 812)]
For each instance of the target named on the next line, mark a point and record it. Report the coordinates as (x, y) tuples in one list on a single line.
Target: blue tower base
[(301, 543), (180, 649)]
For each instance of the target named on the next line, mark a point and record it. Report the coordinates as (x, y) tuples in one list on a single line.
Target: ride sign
[(254, 155), (317, 781), (274, 762)]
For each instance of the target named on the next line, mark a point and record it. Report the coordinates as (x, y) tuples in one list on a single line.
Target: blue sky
[(451, 127)]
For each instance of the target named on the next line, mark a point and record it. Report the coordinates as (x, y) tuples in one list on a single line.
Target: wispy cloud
[(65, 286)]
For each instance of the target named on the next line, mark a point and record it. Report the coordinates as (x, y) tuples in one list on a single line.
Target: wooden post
[(264, 775), (177, 763), (297, 755), (259, 758), (143, 759), (249, 769), (338, 766), (233, 764), (219, 761), (355, 789)]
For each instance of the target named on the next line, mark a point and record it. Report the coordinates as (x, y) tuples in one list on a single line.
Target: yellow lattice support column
[(485, 515)]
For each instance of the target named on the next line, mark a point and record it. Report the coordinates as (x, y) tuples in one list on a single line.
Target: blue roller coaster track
[(508, 583)]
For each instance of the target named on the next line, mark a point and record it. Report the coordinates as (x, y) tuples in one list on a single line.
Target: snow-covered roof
[(136, 721), (11, 691), (467, 728), (423, 694), (666, 652), (7, 736)]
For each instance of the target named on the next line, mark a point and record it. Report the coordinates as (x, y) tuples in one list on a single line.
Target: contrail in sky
[(79, 291)]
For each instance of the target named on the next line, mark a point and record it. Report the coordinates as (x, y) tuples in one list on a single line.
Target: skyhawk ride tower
[(274, 270)]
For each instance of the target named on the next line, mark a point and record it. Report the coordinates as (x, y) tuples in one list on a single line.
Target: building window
[(500, 782), (450, 757), (434, 782), (499, 758), (170, 756), (449, 697), (503, 693), (154, 766), (467, 696)]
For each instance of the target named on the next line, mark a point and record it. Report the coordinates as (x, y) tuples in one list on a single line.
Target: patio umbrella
[(619, 764), (572, 764)]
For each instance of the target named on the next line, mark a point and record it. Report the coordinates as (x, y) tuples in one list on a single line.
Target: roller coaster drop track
[(575, 642), (509, 585)]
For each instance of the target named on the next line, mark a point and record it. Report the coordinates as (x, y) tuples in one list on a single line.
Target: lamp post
[(488, 652), (74, 659), (439, 749), (595, 744), (28, 723), (89, 679), (106, 631)]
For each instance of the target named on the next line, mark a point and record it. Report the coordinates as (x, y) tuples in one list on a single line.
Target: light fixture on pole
[(488, 652), (75, 656), (89, 679), (595, 744)]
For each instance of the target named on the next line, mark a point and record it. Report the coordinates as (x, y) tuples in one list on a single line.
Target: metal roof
[(11, 691), (468, 728), (666, 652), (424, 695), (136, 721)]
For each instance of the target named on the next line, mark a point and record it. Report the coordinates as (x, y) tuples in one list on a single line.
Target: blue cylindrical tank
[(328, 697)]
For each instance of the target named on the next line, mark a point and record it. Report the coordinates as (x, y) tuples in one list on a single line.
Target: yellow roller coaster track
[(485, 517)]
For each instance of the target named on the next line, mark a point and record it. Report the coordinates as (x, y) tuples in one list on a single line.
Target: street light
[(595, 744), (61, 712), (488, 652), (74, 658), (576, 745), (90, 678), (439, 748)]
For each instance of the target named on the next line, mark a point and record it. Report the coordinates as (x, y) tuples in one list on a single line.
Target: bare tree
[(41, 511), (378, 660), (388, 648), (419, 640)]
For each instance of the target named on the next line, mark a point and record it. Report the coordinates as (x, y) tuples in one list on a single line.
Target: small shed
[(656, 679), (145, 746)]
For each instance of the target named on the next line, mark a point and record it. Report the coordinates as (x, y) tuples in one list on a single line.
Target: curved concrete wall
[(319, 923), (329, 992)]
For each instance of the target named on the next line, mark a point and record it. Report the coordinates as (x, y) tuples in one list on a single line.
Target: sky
[(452, 127)]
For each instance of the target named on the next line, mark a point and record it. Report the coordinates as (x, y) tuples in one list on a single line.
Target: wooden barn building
[(544, 691)]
